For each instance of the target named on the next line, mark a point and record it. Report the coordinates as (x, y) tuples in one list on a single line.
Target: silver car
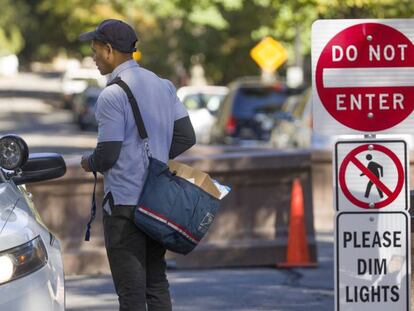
[(31, 269)]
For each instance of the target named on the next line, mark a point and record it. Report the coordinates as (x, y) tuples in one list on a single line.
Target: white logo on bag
[(206, 222)]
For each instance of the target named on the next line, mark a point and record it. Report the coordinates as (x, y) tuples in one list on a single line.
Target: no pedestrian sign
[(372, 258), (363, 76), (371, 175)]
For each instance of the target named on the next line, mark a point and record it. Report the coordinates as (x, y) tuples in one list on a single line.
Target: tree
[(11, 37), (176, 34)]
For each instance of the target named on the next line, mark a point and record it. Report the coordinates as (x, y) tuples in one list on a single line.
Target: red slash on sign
[(351, 158)]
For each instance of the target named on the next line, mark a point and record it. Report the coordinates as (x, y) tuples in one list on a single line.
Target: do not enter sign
[(363, 76)]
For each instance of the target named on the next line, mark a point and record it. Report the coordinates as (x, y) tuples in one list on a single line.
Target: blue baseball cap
[(119, 34)]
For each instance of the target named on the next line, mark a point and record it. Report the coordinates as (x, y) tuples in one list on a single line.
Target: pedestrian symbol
[(371, 175), (378, 171)]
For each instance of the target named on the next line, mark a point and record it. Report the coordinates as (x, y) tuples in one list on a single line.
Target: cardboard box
[(201, 179)]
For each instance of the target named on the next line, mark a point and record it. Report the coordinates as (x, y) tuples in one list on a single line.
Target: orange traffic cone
[(297, 248)]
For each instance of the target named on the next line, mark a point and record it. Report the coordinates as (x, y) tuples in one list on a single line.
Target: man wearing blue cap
[(137, 262)]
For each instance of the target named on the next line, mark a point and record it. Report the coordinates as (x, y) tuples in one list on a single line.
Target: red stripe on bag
[(170, 223)]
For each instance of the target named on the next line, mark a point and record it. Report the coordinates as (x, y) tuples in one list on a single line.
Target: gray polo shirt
[(159, 106)]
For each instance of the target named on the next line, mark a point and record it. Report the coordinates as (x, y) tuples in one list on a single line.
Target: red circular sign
[(391, 194), (379, 104)]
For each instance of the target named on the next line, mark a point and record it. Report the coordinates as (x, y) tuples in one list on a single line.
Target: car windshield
[(251, 100), (198, 101)]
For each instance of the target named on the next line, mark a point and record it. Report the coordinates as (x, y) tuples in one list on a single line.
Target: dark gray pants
[(137, 263)]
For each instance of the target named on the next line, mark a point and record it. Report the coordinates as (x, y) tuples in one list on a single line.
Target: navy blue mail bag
[(171, 210)]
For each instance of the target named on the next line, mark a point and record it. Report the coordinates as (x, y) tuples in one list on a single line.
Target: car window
[(249, 101), (197, 101), (213, 102), (299, 105), (192, 102)]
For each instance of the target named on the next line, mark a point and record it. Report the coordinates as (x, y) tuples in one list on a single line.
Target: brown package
[(201, 179)]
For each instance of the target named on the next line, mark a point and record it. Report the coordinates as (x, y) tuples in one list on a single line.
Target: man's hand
[(85, 164)]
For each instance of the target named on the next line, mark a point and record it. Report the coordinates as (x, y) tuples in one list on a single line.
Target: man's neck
[(120, 61)]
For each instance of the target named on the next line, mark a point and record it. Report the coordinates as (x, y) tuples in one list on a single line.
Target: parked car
[(75, 81), (202, 103), (296, 131), (250, 111), (84, 107), (31, 269)]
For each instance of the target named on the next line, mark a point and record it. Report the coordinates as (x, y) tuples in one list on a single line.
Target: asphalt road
[(226, 289)]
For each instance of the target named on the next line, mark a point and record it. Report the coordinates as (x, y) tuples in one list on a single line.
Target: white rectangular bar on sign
[(371, 175), (363, 77), (372, 261)]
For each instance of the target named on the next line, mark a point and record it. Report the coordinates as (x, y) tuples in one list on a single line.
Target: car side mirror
[(13, 152), (41, 167)]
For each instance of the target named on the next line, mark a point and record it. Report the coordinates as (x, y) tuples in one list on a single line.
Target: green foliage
[(11, 40), (176, 34), (217, 34), (11, 23), (209, 17)]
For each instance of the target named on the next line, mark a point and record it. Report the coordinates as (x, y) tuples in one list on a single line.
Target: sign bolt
[(370, 147), (370, 115), (369, 38), (371, 219), (371, 205)]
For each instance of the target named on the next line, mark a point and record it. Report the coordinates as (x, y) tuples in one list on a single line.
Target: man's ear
[(109, 49)]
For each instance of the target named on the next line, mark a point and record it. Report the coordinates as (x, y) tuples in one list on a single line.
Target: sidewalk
[(226, 289)]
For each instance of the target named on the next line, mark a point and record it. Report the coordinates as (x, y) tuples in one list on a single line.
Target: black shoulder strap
[(134, 105)]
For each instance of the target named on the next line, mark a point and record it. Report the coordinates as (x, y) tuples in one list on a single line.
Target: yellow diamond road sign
[(137, 55), (269, 54)]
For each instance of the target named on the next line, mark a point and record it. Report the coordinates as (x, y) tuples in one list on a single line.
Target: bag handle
[(93, 210)]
